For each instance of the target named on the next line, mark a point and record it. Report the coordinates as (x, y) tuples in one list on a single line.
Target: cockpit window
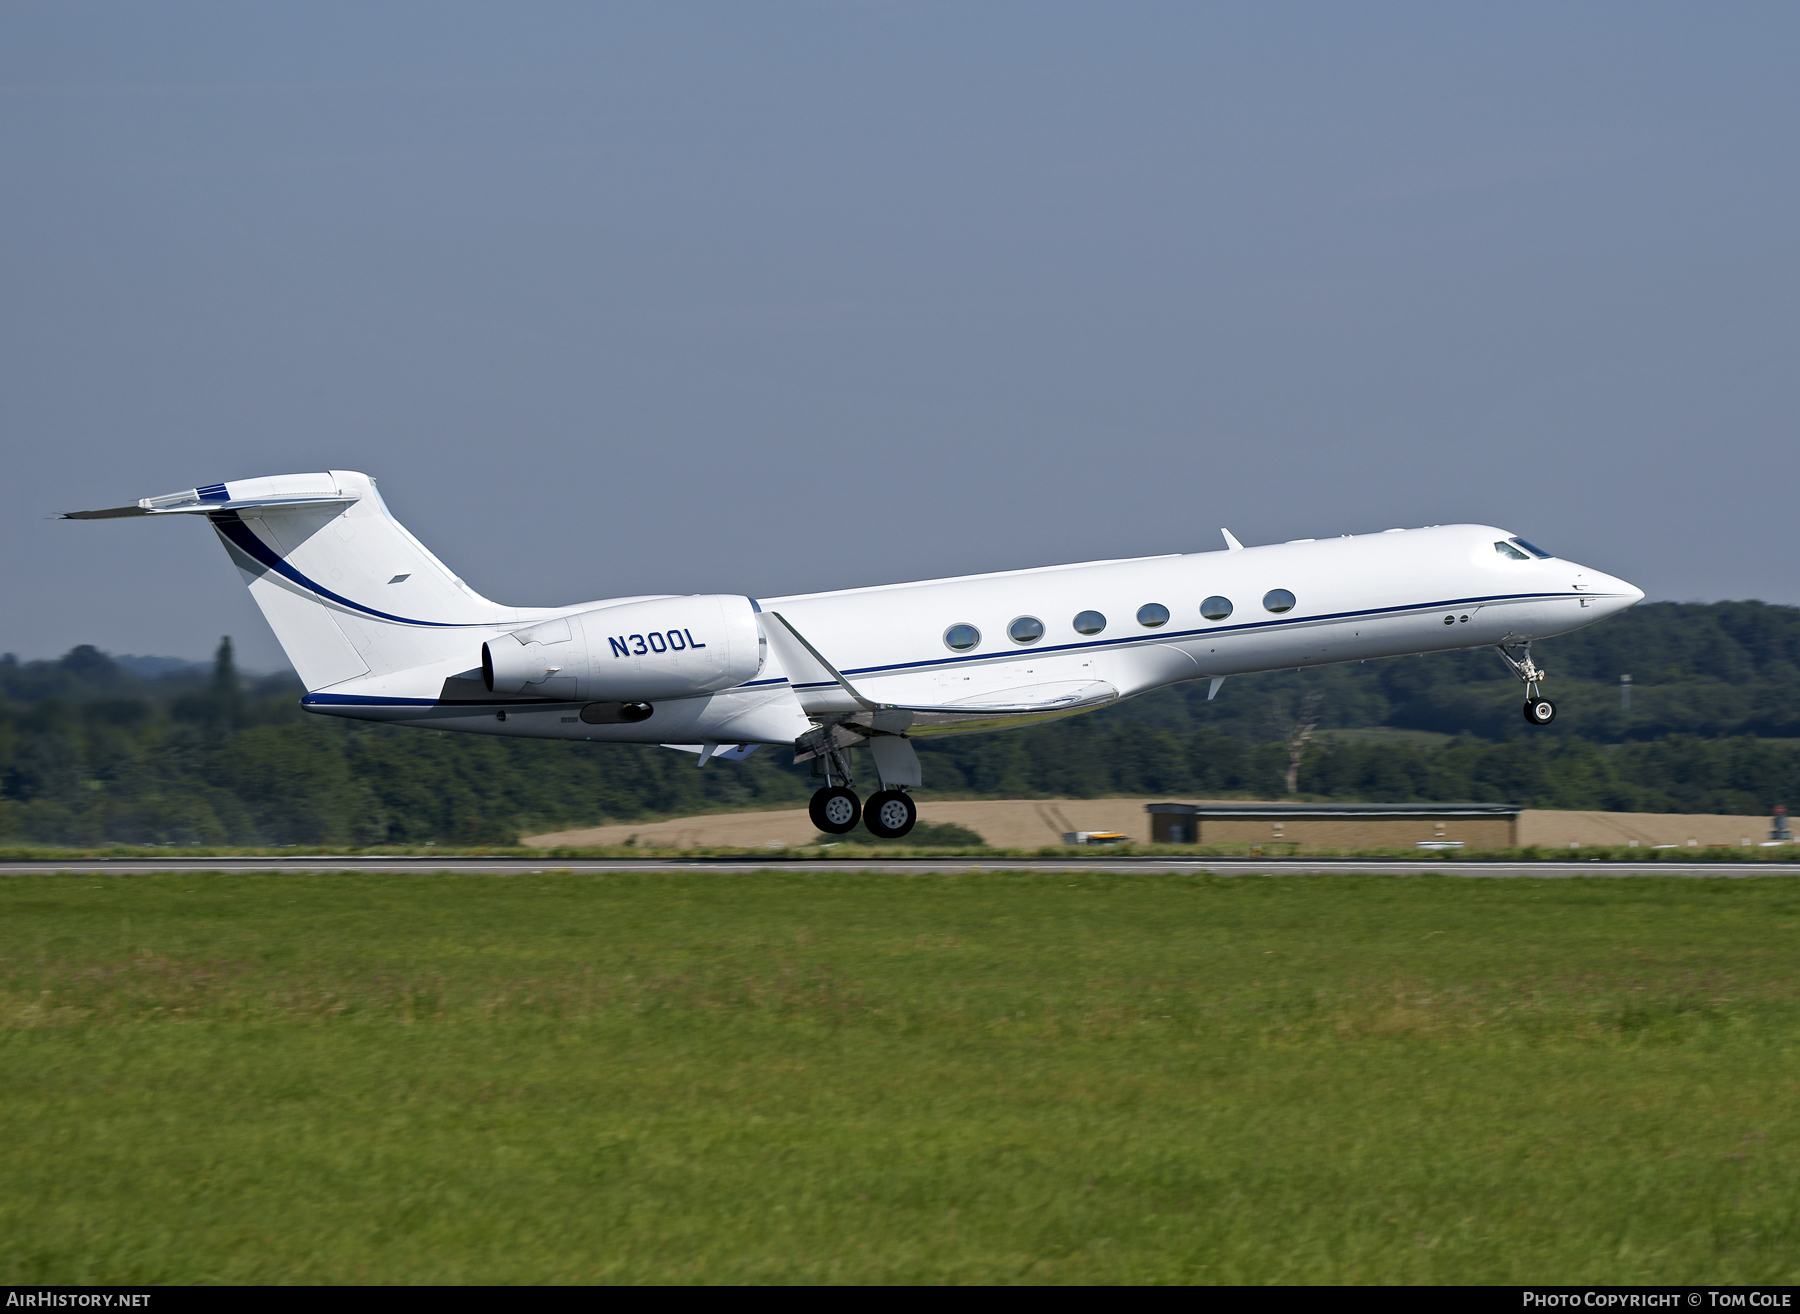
[(1532, 548), (1510, 552)]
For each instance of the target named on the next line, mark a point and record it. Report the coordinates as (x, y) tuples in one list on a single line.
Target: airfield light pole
[(1624, 693)]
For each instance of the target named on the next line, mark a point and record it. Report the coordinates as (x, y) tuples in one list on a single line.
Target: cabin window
[(1532, 548), (1089, 622), (961, 638), (1216, 608), (1027, 629), (1152, 614), (1278, 600), (1510, 552)]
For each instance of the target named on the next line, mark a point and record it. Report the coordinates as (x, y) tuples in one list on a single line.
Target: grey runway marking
[(734, 866)]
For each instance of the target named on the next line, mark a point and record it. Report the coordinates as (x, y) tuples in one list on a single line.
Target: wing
[(984, 697)]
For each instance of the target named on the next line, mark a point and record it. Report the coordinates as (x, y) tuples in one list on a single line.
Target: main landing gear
[(889, 813), (1538, 709), (835, 809)]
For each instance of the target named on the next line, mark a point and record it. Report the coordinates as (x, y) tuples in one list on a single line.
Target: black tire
[(834, 810), (890, 814), (1540, 711)]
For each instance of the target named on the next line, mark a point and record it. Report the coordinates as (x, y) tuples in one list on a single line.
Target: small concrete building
[(1337, 825)]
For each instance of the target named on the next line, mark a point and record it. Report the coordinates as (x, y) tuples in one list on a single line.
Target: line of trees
[(91, 752)]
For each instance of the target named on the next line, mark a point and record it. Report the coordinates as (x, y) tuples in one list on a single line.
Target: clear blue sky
[(767, 298)]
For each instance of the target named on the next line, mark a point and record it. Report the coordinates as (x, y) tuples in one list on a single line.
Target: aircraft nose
[(1612, 593), (1627, 594)]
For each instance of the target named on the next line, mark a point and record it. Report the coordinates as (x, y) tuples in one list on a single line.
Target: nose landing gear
[(1538, 709)]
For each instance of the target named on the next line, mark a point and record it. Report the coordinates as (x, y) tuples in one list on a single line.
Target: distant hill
[(151, 667)]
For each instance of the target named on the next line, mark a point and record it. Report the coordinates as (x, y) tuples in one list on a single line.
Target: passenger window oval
[(1152, 614), (961, 638), (1089, 622), (1278, 600), (1026, 629), (1216, 608)]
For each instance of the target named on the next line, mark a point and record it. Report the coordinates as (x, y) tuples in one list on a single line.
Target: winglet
[(1231, 543)]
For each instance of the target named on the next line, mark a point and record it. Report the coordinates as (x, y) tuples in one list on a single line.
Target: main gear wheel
[(834, 810), (890, 814)]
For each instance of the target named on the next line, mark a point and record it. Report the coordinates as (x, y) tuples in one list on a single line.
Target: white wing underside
[(992, 693)]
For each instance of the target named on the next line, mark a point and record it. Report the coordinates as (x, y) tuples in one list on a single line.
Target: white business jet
[(380, 630)]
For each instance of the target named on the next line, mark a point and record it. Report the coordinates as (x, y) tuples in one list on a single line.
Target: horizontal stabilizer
[(110, 513), (272, 491), (118, 512)]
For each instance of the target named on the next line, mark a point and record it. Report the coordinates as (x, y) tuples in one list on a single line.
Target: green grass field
[(852, 1077)]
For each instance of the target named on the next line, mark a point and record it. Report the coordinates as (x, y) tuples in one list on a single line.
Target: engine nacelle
[(634, 652)]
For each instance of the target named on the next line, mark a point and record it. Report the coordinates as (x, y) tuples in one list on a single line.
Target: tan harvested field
[(1561, 829), (1032, 823)]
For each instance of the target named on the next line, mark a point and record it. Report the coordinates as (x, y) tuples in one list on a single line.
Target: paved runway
[(900, 866)]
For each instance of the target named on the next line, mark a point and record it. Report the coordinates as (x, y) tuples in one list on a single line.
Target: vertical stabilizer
[(347, 590)]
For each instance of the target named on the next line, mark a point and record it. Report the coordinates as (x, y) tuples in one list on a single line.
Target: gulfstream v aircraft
[(381, 630)]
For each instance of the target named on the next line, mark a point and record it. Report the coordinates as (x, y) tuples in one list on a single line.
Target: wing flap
[(999, 708), (1056, 696)]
